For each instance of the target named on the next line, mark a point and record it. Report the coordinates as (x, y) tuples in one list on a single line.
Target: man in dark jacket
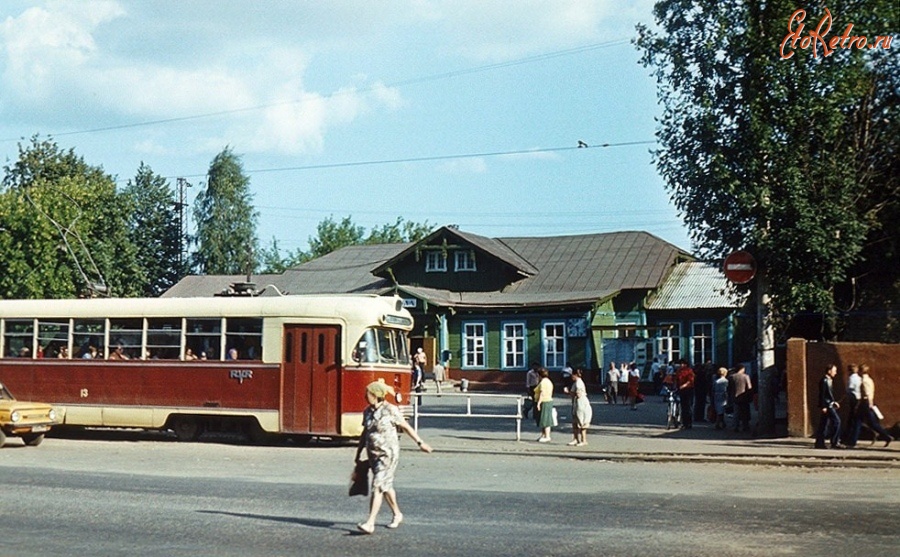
[(829, 421)]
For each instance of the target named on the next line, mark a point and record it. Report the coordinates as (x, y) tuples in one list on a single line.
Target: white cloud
[(60, 67), (501, 30)]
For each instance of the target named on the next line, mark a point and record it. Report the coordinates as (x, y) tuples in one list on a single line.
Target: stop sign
[(740, 267)]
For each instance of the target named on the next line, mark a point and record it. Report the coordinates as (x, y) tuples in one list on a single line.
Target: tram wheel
[(186, 429)]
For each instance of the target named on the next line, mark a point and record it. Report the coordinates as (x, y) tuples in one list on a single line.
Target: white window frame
[(624, 333), (508, 341), (435, 262), (668, 341), (464, 261), (476, 357), (708, 349), (559, 356)]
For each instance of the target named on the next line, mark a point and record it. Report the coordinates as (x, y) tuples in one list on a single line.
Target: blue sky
[(469, 111)]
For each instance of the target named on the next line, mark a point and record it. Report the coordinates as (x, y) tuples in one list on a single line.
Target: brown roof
[(556, 270), (506, 300), (494, 247), (610, 261)]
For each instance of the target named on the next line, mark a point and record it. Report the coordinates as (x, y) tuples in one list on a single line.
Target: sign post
[(740, 268)]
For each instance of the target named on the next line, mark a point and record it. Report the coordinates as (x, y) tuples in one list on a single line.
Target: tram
[(287, 365)]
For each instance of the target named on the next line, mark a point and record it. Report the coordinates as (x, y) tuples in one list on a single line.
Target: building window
[(465, 260), (514, 346), (702, 346), (435, 262), (668, 342), (473, 344), (554, 345), (626, 329)]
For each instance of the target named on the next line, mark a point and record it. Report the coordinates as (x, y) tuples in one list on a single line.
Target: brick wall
[(806, 364)]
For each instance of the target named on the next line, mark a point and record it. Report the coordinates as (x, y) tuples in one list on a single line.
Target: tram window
[(18, 338), (289, 348), (164, 338), (387, 351), (53, 336), (366, 350), (382, 345), (244, 334), (204, 337), (88, 333), (126, 333), (402, 344)]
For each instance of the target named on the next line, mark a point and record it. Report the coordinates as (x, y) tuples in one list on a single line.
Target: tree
[(274, 263), (226, 220), (155, 230), (332, 236), (399, 231), (793, 159), (65, 232)]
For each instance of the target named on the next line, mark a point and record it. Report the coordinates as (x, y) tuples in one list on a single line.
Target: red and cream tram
[(290, 365)]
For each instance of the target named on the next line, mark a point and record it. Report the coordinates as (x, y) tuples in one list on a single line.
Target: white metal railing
[(417, 412)]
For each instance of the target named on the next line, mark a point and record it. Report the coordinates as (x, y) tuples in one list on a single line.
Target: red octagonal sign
[(740, 267)]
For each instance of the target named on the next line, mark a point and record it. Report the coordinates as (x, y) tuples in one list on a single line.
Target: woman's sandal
[(398, 518), (365, 529)]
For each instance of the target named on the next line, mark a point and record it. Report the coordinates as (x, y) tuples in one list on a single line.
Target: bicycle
[(673, 408)]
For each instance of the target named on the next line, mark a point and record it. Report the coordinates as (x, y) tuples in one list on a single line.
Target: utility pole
[(766, 357), (181, 207)]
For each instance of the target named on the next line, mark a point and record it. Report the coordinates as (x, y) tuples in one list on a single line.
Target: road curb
[(798, 461)]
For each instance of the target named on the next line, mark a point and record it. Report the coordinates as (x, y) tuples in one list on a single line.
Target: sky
[(465, 112)]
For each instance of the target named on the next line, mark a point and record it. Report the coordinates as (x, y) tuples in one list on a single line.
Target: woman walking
[(581, 409), (381, 419), (543, 396), (720, 396), (867, 413)]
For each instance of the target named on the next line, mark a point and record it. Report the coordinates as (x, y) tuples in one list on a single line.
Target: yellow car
[(28, 420)]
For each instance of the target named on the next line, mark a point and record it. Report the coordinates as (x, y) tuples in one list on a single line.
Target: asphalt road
[(155, 497)]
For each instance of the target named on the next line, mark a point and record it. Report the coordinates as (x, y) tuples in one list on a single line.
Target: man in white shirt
[(612, 383), (854, 395)]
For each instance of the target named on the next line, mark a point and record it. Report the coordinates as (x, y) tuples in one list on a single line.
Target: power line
[(580, 146), (396, 84)]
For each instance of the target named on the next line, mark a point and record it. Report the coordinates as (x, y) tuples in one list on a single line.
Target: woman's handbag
[(359, 479), (555, 416)]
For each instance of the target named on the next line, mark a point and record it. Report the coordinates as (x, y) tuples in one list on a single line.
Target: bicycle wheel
[(670, 414)]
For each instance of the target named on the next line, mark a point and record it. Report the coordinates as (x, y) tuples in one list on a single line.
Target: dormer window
[(435, 262), (465, 260)]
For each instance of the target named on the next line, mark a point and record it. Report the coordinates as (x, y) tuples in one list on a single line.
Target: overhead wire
[(395, 84)]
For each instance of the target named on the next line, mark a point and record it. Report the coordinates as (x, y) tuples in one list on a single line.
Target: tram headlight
[(52, 415), (15, 416)]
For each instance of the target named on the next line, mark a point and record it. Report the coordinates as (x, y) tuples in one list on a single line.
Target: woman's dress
[(581, 406), (382, 443)]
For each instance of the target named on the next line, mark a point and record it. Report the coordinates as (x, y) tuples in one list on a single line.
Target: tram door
[(309, 402)]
